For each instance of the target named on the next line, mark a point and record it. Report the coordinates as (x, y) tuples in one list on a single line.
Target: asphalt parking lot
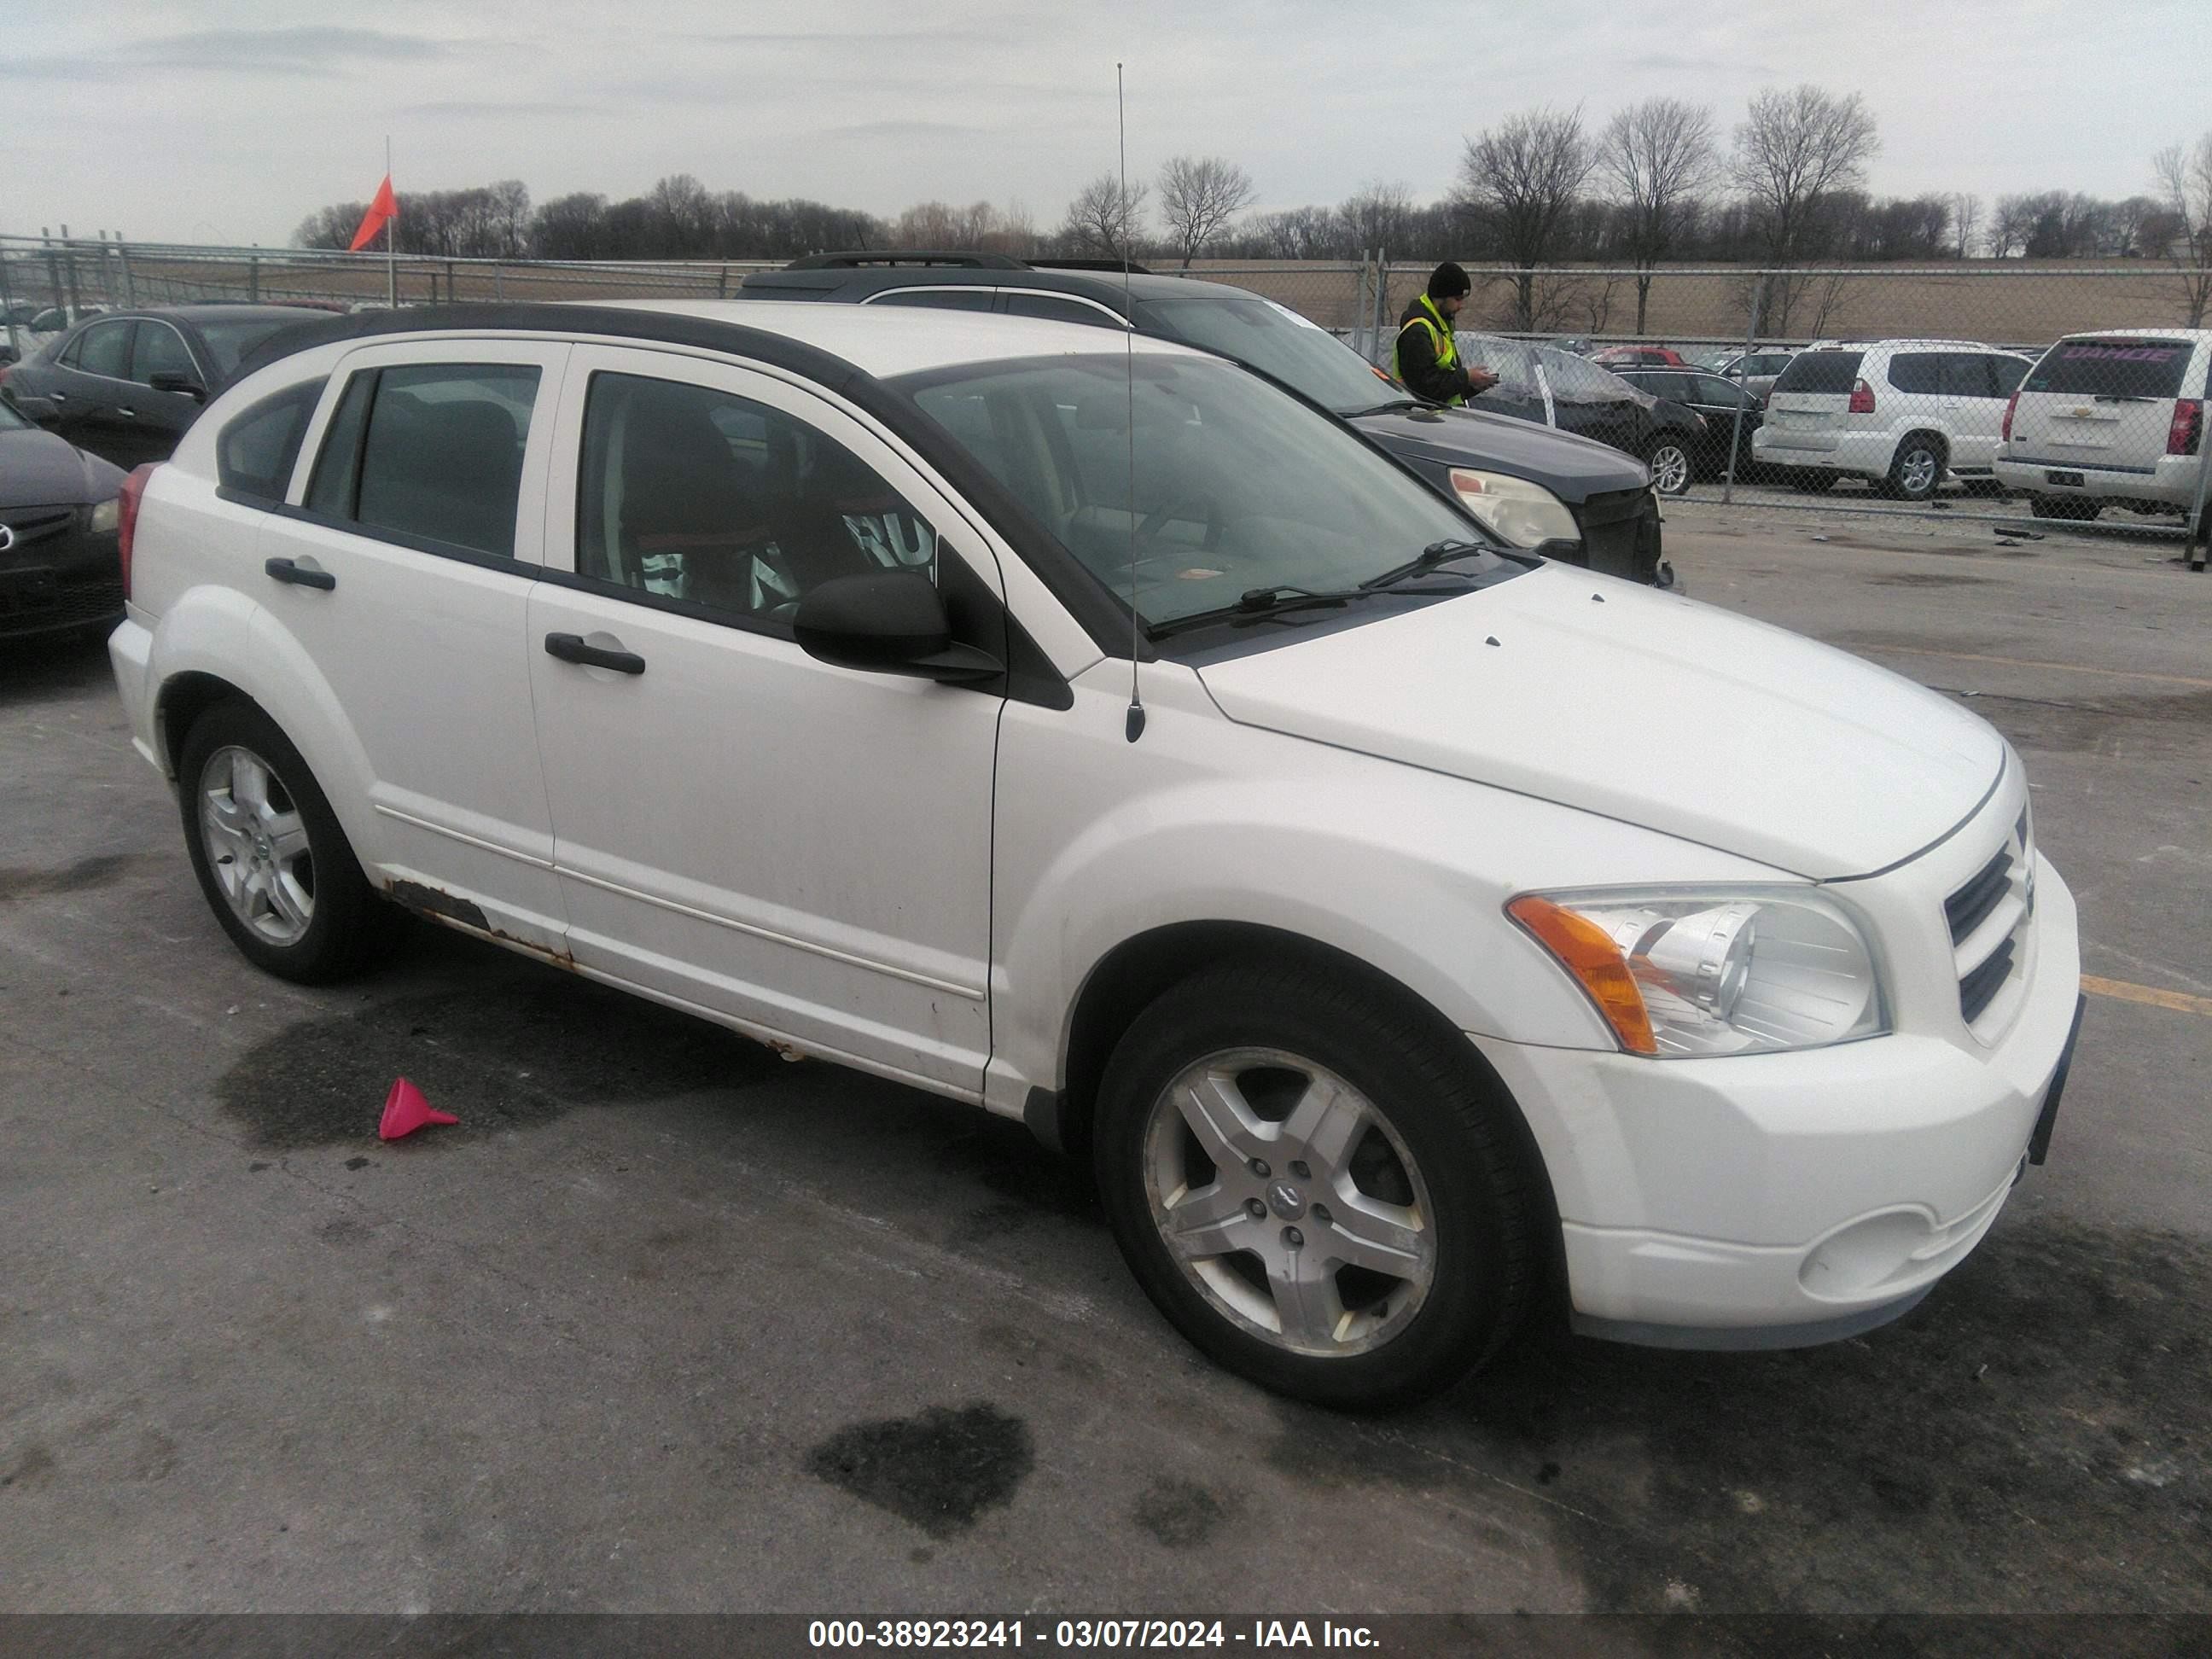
[(668, 1323)]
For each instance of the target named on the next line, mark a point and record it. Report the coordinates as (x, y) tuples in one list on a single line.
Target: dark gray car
[(59, 568), (1484, 461), (125, 386)]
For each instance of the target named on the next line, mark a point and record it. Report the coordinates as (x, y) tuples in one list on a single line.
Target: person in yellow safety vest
[(1426, 360)]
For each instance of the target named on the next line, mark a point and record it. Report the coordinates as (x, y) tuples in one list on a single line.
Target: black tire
[(347, 924), (1916, 472), (2071, 507), (1674, 468), (1485, 1203), (1810, 481)]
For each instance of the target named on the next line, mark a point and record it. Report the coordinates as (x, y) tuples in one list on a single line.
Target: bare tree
[(1518, 181), (1795, 153), (1965, 222), (1660, 159), (1305, 233), (1376, 217), (1105, 219), (1198, 196), (2184, 179), (2012, 225)]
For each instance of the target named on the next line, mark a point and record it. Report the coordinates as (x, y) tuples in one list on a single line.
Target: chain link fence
[(45, 281), (1872, 390), (1877, 390)]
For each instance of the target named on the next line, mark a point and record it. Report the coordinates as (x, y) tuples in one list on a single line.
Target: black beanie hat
[(1448, 280)]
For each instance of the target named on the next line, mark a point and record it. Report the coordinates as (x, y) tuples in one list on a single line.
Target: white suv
[(1898, 413), (2111, 419), (778, 663)]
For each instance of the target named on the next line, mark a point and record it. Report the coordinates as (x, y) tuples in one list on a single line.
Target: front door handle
[(128, 414), (571, 647), (300, 575)]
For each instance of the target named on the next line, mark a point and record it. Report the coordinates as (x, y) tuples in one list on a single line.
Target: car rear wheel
[(276, 868), (1669, 459), (1320, 1193), (2065, 507), (1917, 469)]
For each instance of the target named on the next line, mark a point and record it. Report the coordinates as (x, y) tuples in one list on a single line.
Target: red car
[(1639, 356)]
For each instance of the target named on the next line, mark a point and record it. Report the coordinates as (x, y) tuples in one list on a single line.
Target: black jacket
[(1417, 362)]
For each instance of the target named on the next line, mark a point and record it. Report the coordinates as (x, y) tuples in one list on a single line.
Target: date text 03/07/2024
[(1258, 1635)]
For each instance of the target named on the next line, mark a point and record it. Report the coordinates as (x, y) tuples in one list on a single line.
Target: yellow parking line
[(2024, 662), (2180, 1001)]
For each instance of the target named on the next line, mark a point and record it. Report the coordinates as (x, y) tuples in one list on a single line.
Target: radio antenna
[(1134, 727)]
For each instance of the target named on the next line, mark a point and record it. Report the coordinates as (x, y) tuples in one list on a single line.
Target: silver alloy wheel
[(256, 843), (1264, 1215), (1670, 469), (1917, 473)]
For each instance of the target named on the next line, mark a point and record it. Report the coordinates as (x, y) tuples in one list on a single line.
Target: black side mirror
[(887, 622), (164, 381)]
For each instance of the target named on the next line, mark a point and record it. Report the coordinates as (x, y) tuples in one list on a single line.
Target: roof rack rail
[(1117, 266), (857, 258)]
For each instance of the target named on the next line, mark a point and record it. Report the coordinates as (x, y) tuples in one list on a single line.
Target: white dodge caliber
[(1090, 730)]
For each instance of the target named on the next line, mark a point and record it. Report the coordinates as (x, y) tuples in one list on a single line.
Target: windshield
[(1237, 486), (231, 339), (1307, 358), (1578, 381)]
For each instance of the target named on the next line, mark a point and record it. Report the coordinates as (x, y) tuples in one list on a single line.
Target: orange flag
[(381, 212)]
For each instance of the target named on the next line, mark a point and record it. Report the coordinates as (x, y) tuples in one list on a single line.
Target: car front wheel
[(1320, 1192), (1670, 466), (276, 868)]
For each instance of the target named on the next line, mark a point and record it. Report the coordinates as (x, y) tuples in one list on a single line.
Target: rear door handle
[(128, 414), (571, 647), (300, 576)]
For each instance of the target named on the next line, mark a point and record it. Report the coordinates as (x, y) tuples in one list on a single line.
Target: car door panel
[(159, 418), (1975, 410), (801, 850), (90, 388), (424, 645)]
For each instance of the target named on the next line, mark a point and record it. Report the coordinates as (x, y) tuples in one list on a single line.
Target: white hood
[(1645, 706)]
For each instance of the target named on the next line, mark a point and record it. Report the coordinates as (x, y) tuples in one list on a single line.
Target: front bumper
[(57, 575), (1774, 1200)]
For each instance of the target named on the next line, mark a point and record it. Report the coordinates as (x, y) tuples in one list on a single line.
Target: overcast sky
[(231, 120)]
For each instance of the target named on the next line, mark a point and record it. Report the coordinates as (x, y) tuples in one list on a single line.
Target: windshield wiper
[(1393, 406), (1435, 554), (1258, 603)]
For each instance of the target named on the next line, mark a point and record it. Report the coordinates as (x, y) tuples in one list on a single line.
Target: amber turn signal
[(1586, 951)]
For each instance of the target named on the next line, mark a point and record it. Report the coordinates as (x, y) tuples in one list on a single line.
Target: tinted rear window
[(254, 454), (1821, 371), (2111, 367)]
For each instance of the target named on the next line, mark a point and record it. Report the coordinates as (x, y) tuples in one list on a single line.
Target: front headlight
[(105, 517), (1689, 971), (1519, 513)]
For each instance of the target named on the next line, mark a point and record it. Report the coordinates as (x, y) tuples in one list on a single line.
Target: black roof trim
[(858, 258), (1102, 616), (1117, 266)]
